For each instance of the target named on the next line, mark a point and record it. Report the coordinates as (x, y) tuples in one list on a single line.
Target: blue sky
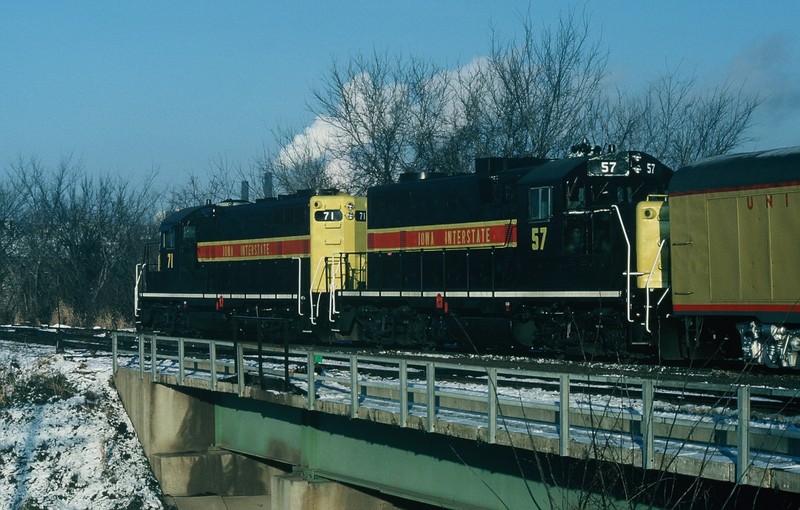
[(132, 87)]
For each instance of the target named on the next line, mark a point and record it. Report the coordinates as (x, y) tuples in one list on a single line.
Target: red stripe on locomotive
[(253, 250), (473, 235)]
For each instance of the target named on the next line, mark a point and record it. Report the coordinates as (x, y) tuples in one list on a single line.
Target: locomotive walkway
[(414, 429)]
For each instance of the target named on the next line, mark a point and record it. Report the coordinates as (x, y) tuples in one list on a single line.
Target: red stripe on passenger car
[(735, 188), (737, 308)]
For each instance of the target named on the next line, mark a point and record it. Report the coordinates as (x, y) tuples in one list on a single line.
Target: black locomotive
[(574, 255), (237, 257)]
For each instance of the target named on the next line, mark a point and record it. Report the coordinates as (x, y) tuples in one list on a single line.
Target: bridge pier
[(292, 491), (176, 428)]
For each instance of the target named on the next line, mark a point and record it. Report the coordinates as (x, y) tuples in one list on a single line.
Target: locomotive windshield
[(168, 239)]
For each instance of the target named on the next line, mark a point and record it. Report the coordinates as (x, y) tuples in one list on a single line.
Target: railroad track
[(60, 338), (590, 379), (782, 402)]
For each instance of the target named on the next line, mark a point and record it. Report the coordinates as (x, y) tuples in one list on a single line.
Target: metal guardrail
[(423, 387)]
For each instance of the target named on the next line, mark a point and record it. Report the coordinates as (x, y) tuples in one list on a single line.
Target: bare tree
[(368, 112), (38, 252), (387, 117), (301, 163), (715, 123), (675, 122), (542, 88), (390, 116), (221, 181), (78, 238), (9, 244), (536, 96), (619, 120), (430, 95), (471, 127)]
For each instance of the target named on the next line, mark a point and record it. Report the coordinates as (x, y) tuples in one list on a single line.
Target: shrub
[(39, 385)]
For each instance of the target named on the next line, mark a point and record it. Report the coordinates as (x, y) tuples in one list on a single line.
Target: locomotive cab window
[(539, 203), (602, 234), (576, 195), (168, 239)]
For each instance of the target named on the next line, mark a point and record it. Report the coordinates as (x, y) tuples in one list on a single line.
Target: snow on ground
[(65, 439)]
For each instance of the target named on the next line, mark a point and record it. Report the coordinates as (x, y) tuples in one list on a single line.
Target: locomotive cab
[(581, 253), (177, 235), (580, 216)]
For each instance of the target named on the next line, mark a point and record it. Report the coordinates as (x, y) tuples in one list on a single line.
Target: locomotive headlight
[(350, 215), (350, 206)]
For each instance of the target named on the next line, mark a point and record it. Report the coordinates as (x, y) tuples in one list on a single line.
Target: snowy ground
[(65, 440)]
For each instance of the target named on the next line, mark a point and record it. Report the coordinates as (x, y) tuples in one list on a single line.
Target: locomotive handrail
[(314, 314), (647, 286), (507, 241), (628, 270), (332, 283), (139, 271), (299, 285)]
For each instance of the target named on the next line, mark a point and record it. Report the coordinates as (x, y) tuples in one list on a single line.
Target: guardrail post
[(403, 393), (212, 352), (114, 349), (353, 386), (431, 391), (743, 433), (648, 453), (492, 403), (240, 364), (141, 357), (287, 384), (563, 415), (181, 362), (153, 358), (311, 380), (260, 340)]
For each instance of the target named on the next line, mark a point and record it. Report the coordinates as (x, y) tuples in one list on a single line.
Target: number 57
[(538, 237)]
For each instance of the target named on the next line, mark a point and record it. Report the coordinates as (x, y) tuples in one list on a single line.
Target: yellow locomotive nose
[(338, 242), (652, 248)]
